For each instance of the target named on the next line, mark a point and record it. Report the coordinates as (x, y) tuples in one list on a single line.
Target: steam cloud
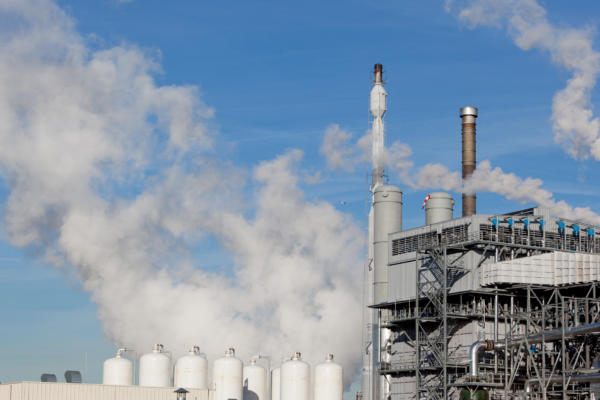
[(114, 179), (572, 111), (485, 179)]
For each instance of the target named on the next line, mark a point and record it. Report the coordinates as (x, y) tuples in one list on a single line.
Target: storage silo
[(276, 384), (191, 371), (117, 371), (255, 382), (295, 379), (439, 208), (329, 380), (155, 368), (227, 377)]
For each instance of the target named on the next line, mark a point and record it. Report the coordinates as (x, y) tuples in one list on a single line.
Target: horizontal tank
[(255, 382), (117, 371), (191, 371), (295, 379), (155, 368), (227, 377), (329, 380)]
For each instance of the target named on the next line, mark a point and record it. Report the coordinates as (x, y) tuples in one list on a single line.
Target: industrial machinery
[(482, 307)]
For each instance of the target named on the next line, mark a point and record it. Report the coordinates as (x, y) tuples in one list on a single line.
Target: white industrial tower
[(378, 109)]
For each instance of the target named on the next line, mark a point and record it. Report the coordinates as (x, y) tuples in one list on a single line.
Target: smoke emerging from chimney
[(485, 179), (115, 180), (575, 126)]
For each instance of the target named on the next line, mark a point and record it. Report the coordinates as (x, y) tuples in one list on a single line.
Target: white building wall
[(80, 391)]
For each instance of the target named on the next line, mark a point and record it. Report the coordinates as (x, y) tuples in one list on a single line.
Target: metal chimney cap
[(468, 111)]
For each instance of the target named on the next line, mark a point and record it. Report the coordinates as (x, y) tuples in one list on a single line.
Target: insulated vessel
[(295, 379), (227, 377), (191, 371), (155, 368), (117, 371), (255, 382), (329, 380)]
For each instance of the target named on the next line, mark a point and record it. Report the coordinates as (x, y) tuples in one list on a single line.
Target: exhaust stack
[(469, 160)]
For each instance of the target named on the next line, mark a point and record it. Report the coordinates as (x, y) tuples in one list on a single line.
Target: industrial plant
[(502, 306), (188, 379), (499, 306)]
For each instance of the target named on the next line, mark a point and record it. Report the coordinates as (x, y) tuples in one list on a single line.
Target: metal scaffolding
[(550, 368)]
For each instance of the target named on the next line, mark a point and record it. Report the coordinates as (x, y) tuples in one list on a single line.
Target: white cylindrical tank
[(387, 210), (329, 380), (117, 371), (191, 371), (276, 384), (255, 382), (227, 377), (439, 208), (155, 368), (295, 379)]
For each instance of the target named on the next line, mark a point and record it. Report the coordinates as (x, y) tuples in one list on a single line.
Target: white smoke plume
[(340, 153), (529, 190), (113, 179), (337, 150), (575, 126), (485, 179)]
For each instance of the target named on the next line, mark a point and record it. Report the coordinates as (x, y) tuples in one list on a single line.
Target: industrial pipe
[(198, 352), (559, 379), (469, 159), (549, 336), (134, 361)]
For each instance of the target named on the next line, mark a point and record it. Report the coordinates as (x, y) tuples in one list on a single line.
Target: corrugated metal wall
[(401, 277), (78, 391)]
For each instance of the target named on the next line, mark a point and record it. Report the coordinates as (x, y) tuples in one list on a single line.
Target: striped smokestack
[(469, 160)]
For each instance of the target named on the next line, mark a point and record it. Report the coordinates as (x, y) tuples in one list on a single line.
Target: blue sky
[(277, 74)]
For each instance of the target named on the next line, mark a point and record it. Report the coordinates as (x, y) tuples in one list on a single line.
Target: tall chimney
[(469, 160)]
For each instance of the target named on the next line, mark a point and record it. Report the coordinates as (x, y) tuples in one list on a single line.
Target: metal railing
[(516, 238)]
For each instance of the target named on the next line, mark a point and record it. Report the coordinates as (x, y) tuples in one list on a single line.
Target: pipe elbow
[(476, 347), (528, 384)]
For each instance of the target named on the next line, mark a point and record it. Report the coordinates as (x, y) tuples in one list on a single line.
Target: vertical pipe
[(528, 324), (378, 108), (469, 160), (565, 362), (445, 323), (505, 357), (587, 342), (417, 344), (496, 332), (512, 311)]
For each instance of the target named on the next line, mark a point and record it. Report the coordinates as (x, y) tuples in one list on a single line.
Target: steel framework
[(533, 310)]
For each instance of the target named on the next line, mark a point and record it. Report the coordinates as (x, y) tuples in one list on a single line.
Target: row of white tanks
[(231, 379)]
